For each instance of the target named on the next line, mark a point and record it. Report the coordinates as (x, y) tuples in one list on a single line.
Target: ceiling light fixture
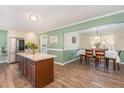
[(34, 17)]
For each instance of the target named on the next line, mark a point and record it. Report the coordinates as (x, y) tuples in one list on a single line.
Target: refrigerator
[(15, 45)]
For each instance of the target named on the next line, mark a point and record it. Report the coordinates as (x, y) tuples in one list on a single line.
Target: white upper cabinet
[(17, 34)]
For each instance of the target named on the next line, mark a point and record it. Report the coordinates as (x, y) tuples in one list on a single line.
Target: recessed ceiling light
[(34, 17)]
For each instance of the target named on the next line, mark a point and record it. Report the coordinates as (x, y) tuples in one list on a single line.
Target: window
[(106, 41)]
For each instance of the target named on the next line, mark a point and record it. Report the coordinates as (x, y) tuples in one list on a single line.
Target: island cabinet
[(39, 73), (20, 63)]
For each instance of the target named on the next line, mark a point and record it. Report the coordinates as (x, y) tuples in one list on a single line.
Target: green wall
[(58, 45), (59, 55), (70, 55), (3, 40), (67, 55), (122, 56)]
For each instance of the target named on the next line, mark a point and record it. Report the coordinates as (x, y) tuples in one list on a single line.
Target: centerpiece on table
[(97, 45), (32, 46)]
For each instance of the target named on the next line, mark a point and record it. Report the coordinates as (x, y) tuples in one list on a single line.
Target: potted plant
[(3, 50), (32, 46), (97, 45)]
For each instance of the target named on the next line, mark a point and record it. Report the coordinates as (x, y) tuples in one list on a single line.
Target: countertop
[(37, 56)]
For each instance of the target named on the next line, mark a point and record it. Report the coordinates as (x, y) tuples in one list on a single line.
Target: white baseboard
[(59, 63), (4, 61), (71, 61), (53, 49)]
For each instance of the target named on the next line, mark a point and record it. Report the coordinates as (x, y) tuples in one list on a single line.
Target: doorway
[(43, 44)]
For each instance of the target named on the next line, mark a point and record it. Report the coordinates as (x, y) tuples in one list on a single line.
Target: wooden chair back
[(89, 53), (100, 53)]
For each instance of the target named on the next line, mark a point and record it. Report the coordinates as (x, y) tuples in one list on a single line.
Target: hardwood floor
[(10, 77), (72, 75)]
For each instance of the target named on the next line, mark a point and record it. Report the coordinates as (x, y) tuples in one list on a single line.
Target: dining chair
[(120, 62), (89, 55), (100, 56), (82, 57), (115, 61), (82, 54)]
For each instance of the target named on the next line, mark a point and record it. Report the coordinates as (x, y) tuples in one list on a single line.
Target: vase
[(33, 50), (97, 45)]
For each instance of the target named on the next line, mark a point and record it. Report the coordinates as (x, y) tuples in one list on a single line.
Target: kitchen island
[(37, 68)]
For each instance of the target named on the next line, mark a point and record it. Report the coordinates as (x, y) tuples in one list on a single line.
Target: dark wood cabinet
[(38, 73), (24, 66), (29, 71), (20, 63), (45, 72)]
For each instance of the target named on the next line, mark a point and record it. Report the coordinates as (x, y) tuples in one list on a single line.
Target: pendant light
[(97, 37)]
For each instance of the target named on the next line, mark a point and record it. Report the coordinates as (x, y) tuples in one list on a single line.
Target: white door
[(43, 44), (12, 50)]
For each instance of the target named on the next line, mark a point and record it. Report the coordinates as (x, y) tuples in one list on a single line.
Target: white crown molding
[(91, 19), (5, 29)]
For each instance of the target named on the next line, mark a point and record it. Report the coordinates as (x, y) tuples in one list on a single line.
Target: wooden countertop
[(37, 56)]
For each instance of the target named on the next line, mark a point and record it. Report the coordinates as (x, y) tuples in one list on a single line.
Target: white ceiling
[(51, 17)]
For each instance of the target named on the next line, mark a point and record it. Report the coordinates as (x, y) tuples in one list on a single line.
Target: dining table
[(109, 55)]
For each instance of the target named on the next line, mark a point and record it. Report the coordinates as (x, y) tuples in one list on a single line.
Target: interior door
[(12, 50), (43, 44)]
